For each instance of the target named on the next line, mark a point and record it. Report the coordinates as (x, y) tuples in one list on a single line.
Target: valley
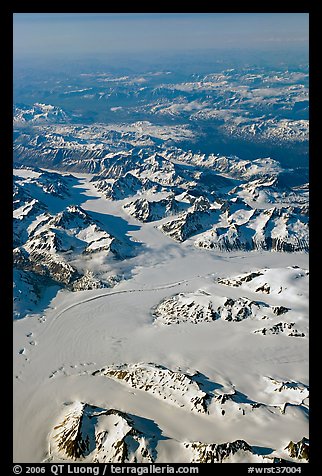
[(161, 267)]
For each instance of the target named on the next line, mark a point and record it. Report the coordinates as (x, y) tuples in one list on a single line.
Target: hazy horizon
[(46, 36)]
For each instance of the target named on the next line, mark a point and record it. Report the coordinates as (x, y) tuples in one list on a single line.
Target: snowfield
[(165, 362)]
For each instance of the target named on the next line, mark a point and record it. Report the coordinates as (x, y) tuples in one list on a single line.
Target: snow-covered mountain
[(237, 226), (284, 283), (96, 242), (56, 249), (53, 241), (91, 434), (270, 190), (203, 307), (39, 113), (174, 387), (125, 186), (276, 229), (161, 238), (146, 210), (98, 435), (240, 451), (243, 221)]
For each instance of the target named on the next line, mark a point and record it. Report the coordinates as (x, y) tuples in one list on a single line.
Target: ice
[(115, 327)]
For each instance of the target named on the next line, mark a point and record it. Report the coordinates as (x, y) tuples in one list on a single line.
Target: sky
[(77, 34)]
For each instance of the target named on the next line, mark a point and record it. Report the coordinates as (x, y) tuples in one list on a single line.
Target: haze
[(75, 34)]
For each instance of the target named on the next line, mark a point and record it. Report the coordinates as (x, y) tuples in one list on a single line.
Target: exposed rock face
[(39, 113), (280, 328), (141, 210), (48, 264), (195, 220), (45, 264), (299, 450), (287, 391), (174, 387), (218, 453), (224, 239), (185, 226), (239, 451), (56, 239), (88, 281), (237, 309), (146, 211), (123, 171), (50, 248), (125, 186), (202, 307), (265, 288), (278, 310), (185, 308), (275, 229), (240, 279), (99, 435), (268, 281), (70, 439)]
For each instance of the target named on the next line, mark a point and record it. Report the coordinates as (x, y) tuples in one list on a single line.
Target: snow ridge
[(97, 435), (175, 387)]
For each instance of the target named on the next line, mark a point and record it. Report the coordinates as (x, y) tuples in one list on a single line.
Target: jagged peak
[(98, 435)]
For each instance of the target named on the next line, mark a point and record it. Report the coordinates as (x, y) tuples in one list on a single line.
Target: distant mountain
[(147, 211), (39, 113), (160, 247), (125, 186)]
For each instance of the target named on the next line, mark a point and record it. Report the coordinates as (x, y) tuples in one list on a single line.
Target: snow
[(98, 435), (95, 237), (176, 133), (171, 386), (24, 210), (39, 113), (161, 295), (77, 334), (286, 284)]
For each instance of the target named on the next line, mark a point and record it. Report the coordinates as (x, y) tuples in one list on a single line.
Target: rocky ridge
[(90, 434), (287, 328), (98, 435), (268, 281), (203, 307), (218, 453), (51, 249), (173, 386)]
